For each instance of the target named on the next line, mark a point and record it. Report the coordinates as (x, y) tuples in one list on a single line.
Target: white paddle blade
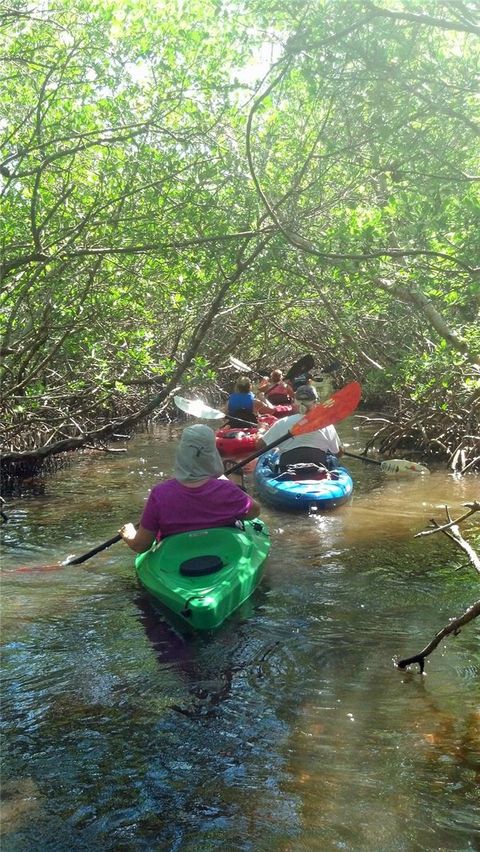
[(239, 365), (400, 466), (197, 408)]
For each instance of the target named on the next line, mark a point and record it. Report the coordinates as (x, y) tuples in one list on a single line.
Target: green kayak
[(204, 575)]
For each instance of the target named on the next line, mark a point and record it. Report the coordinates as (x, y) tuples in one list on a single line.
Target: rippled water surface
[(289, 728)]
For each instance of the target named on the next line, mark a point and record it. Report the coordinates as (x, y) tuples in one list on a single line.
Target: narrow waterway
[(289, 728)]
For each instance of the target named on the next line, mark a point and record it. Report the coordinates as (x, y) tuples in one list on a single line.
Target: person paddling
[(198, 497), (276, 389), (243, 406), (321, 447)]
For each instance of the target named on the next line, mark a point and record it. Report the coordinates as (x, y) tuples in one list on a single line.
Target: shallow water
[(289, 728)]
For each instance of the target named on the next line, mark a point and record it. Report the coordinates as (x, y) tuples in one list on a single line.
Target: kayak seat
[(199, 566)]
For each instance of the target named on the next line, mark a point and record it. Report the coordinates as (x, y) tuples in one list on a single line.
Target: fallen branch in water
[(472, 508), (453, 627), (451, 530)]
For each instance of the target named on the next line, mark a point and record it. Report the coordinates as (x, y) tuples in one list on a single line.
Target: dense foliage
[(185, 180)]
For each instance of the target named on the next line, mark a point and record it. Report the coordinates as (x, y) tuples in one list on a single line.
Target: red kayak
[(239, 442)]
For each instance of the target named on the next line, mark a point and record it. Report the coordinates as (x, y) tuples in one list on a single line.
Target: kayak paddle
[(243, 368), (70, 560), (339, 405), (239, 365), (195, 407), (392, 465), (198, 408), (73, 560), (79, 559), (303, 365)]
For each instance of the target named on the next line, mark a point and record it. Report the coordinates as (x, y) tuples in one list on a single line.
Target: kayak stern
[(203, 576)]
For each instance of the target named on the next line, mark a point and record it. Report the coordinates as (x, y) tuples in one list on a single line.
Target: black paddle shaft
[(83, 558), (98, 549), (261, 452), (362, 458)]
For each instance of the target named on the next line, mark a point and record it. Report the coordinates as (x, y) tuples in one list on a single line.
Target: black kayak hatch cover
[(200, 566)]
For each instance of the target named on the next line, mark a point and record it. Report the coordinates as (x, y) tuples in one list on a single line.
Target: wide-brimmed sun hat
[(197, 456)]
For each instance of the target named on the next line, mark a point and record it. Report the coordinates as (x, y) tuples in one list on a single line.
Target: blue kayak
[(282, 491)]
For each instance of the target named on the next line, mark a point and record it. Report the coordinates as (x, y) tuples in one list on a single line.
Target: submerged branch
[(451, 530), (453, 627)]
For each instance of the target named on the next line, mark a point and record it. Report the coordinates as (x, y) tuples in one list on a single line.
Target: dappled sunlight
[(195, 191), (293, 708)]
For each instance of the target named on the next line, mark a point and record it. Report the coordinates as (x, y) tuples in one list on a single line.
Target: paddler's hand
[(128, 532), (138, 539)]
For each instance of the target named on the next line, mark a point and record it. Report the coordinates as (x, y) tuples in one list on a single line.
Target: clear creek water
[(288, 729)]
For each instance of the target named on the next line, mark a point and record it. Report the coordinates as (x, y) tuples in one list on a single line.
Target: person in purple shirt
[(199, 496)]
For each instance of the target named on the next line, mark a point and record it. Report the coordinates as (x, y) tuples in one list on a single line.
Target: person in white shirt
[(320, 447)]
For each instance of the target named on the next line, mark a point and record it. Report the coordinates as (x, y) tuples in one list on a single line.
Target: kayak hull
[(237, 442), (205, 601), (301, 494)]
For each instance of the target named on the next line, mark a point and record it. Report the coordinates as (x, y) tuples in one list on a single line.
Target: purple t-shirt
[(172, 507)]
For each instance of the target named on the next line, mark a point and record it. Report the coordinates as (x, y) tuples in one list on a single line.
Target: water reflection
[(287, 729)]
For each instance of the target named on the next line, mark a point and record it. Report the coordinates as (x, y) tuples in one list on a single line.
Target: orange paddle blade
[(339, 405)]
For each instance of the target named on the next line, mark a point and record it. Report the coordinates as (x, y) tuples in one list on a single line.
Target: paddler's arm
[(260, 444), (139, 539), (262, 406), (253, 511)]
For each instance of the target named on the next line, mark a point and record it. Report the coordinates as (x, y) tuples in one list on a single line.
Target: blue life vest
[(240, 409), (243, 401)]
